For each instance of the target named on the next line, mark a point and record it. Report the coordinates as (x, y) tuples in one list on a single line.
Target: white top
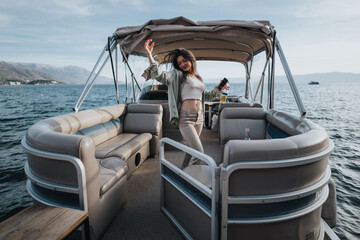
[(193, 89)]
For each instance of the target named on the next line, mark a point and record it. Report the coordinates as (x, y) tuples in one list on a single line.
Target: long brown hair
[(172, 56)]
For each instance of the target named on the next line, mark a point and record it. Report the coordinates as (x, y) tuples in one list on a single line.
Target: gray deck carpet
[(141, 217)]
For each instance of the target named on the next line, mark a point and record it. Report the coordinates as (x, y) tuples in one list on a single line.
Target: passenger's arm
[(209, 96)]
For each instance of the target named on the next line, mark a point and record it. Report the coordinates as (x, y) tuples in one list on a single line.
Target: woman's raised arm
[(149, 48)]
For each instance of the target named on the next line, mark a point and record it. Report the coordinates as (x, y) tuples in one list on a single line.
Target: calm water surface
[(333, 106)]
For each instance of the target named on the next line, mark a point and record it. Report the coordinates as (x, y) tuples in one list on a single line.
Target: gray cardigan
[(175, 80)]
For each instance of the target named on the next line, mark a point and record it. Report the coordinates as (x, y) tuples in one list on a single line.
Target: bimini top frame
[(236, 41), (223, 40)]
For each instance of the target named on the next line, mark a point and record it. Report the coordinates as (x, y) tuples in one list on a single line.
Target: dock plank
[(42, 222)]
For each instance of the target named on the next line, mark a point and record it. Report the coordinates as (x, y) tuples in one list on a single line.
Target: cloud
[(5, 19), (63, 8), (73, 7), (54, 8), (69, 29), (213, 2), (328, 9), (138, 4)]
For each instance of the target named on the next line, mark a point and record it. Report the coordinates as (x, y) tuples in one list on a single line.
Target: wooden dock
[(44, 222)]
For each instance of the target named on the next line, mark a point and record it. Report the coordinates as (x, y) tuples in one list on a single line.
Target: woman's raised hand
[(149, 47)]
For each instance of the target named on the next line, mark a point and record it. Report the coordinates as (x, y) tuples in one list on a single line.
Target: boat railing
[(38, 187), (196, 192), (253, 189)]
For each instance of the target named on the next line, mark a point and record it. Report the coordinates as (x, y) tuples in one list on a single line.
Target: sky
[(316, 36)]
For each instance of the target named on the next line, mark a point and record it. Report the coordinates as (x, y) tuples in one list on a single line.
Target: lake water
[(333, 106)]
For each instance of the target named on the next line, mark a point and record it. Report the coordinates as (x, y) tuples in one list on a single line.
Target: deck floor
[(141, 217)]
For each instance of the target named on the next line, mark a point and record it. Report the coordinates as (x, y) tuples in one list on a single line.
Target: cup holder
[(137, 159)]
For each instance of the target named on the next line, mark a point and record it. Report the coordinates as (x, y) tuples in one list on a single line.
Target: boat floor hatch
[(141, 217)]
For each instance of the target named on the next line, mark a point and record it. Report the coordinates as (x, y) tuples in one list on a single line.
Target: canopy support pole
[(290, 78), (261, 82), (247, 83), (113, 71), (133, 79), (117, 71), (262, 85), (90, 82), (77, 105), (133, 86), (126, 84), (272, 77)]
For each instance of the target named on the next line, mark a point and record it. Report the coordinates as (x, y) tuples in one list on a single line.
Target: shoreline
[(35, 82)]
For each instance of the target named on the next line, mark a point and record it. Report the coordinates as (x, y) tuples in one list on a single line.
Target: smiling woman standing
[(186, 95)]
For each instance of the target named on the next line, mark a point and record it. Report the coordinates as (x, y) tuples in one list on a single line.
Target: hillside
[(333, 77), (67, 74), (33, 73), (13, 75)]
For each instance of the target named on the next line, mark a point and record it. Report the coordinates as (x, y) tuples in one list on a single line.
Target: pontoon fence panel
[(76, 162), (228, 199), (213, 192)]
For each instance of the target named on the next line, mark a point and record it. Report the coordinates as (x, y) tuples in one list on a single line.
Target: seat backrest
[(239, 104), (262, 180), (305, 140), (168, 130), (65, 135), (289, 124), (285, 174), (145, 118), (234, 121)]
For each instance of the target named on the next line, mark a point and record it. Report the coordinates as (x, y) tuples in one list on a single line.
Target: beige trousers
[(191, 125)]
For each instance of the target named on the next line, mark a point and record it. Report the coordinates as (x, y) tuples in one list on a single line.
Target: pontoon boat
[(265, 173)]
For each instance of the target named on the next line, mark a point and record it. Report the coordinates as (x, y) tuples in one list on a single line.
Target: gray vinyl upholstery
[(111, 143), (272, 163), (145, 118), (239, 104), (304, 139), (169, 131), (234, 120)]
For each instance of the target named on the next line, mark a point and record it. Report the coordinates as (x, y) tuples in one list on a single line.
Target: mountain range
[(332, 77), (33, 73), (27, 72)]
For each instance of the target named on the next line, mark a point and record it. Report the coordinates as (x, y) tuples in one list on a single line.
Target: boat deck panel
[(141, 217)]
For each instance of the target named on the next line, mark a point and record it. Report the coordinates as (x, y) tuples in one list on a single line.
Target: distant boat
[(313, 83)]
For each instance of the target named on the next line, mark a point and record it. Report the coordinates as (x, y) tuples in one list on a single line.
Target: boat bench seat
[(111, 171), (117, 147), (274, 136), (110, 143), (234, 120), (285, 163), (169, 130), (276, 181)]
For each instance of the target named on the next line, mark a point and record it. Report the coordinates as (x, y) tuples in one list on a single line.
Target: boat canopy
[(222, 40), (218, 40)]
